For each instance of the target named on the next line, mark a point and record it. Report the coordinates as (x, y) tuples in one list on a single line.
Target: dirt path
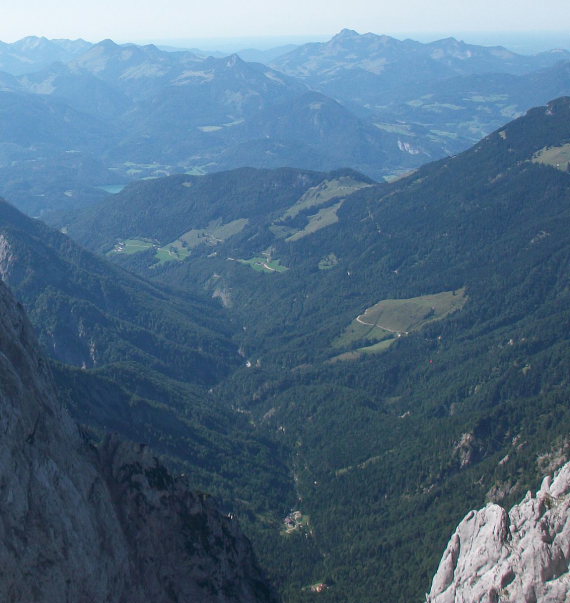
[(369, 324)]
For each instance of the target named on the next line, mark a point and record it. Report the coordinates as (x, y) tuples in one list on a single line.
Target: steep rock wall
[(110, 524)]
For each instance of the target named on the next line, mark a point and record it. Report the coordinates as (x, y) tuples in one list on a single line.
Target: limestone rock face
[(515, 557), (109, 524)]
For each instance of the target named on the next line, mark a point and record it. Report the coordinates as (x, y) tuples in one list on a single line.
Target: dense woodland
[(381, 453)]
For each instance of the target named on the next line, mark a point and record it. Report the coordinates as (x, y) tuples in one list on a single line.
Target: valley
[(467, 256), (333, 291)]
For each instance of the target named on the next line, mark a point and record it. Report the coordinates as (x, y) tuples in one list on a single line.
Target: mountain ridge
[(150, 112)]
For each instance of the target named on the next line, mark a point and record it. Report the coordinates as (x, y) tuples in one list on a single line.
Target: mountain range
[(104, 114), (33, 53), (335, 66)]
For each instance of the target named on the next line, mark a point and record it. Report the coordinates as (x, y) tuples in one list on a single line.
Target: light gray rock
[(515, 557), (81, 524)]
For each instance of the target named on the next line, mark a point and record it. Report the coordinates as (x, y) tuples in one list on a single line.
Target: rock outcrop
[(515, 557), (107, 524)]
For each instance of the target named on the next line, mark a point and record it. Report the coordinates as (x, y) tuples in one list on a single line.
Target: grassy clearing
[(282, 232), (146, 170), (381, 346), (216, 232), (401, 315), (170, 253), (346, 357), (381, 324), (132, 246), (510, 111), (323, 193), (262, 264), (363, 465), (181, 248), (398, 175), (376, 348), (210, 128), (323, 218), (445, 134), (394, 128), (195, 171), (491, 98), (357, 332), (558, 157), (113, 189), (156, 170), (217, 128)]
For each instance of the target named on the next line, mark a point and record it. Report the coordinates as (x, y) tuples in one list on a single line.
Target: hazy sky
[(136, 20)]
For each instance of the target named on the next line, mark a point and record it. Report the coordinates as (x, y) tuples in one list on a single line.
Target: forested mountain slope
[(453, 393), (139, 358), (100, 524), (93, 313), (166, 209)]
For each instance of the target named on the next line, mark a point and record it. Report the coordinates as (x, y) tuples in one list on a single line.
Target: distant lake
[(112, 188)]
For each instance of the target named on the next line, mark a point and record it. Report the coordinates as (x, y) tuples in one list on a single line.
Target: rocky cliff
[(522, 555), (107, 524)]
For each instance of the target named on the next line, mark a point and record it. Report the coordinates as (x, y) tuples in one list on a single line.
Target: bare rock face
[(180, 544), (515, 557), (107, 525)]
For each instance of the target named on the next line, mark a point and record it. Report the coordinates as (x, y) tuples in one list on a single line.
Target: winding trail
[(369, 324)]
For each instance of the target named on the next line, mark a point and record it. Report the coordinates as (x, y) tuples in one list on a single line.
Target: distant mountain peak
[(346, 34), (450, 41), (150, 48), (233, 59), (31, 41), (68, 40), (107, 43)]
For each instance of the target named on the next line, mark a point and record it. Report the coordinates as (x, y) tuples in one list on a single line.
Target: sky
[(162, 20)]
